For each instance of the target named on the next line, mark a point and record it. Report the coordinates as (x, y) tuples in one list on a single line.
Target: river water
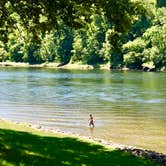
[(128, 107)]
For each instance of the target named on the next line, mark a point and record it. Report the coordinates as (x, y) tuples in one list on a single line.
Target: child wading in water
[(91, 123)]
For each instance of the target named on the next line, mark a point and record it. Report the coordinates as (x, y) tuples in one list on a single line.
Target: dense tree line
[(147, 49), (121, 33)]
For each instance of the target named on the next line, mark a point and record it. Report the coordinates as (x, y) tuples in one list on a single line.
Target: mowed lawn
[(21, 145)]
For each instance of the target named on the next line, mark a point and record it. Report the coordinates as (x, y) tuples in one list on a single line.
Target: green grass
[(34, 148)]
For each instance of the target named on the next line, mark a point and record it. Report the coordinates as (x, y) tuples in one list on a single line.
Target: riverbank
[(70, 66), (46, 65), (52, 147), (57, 66)]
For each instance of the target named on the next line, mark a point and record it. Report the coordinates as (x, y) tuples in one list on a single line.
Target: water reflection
[(91, 131)]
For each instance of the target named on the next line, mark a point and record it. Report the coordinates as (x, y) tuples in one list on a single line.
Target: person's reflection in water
[(91, 130)]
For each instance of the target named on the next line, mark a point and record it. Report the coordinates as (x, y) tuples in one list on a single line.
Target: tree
[(148, 51), (39, 16), (90, 45), (74, 13), (161, 3), (47, 47), (56, 46)]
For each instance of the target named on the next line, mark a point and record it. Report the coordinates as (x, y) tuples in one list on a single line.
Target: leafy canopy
[(39, 16)]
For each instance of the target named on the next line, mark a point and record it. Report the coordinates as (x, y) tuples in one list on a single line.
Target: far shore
[(73, 66), (57, 66), (33, 128)]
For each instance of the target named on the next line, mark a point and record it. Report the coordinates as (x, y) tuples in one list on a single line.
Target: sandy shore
[(152, 155), (56, 66), (46, 65), (68, 66)]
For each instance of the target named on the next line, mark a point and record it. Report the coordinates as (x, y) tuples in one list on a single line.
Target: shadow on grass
[(22, 148)]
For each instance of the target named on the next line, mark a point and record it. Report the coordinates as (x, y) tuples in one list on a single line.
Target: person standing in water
[(91, 122)]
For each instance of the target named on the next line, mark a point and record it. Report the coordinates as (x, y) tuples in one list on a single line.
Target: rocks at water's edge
[(152, 155)]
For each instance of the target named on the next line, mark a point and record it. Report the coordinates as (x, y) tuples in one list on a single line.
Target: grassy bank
[(21, 145)]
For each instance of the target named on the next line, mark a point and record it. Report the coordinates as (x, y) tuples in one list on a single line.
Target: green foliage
[(95, 37), (79, 46), (47, 48), (37, 17), (88, 32), (3, 53), (90, 45), (56, 46), (14, 47), (149, 51), (44, 15), (64, 45), (31, 53), (161, 3), (139, 27)]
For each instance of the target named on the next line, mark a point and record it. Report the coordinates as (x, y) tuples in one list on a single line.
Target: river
[(128, 107)]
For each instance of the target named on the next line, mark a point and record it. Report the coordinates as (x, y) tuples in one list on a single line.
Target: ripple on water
[(128, 107)]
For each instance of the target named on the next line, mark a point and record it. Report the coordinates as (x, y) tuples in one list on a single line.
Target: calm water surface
[(128, 107)]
